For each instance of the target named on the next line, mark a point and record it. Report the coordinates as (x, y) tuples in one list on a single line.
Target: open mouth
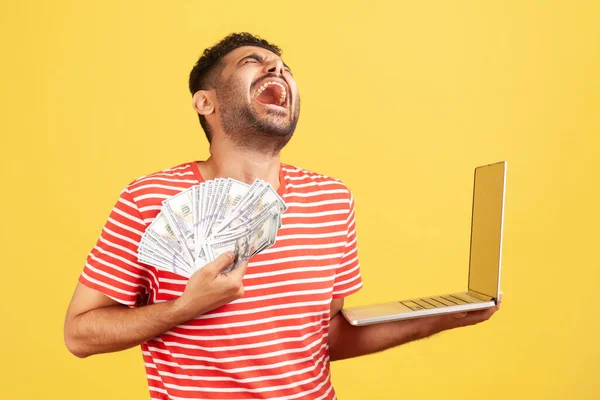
[(272, 93)]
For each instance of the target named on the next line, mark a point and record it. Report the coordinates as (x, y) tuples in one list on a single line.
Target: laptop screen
[(486, 229)]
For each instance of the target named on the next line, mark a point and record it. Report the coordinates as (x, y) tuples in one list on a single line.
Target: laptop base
[(417, 308)]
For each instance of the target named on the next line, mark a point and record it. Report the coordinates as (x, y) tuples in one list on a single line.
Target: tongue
[(271, 95)]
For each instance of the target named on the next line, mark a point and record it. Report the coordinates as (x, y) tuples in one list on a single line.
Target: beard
[(250, 130)]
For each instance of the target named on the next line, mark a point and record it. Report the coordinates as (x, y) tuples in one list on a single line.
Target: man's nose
[(275, 66)]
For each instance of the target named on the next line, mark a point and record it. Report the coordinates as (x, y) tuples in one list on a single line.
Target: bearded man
[(268, 329)]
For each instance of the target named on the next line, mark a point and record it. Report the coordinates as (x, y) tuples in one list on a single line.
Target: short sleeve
[(347, 276), (112, 267)]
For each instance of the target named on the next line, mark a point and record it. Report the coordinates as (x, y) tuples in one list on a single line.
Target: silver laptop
[(484, 261)]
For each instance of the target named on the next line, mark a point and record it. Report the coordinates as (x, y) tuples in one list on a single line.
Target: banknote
[(153, 256), (161, 230), (244, 245), (263, 198), (201, 222), (240, 226), (233, 194), (156, 244), (178, 210)]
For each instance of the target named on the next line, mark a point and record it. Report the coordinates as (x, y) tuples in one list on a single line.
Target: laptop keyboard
[(427, 303)]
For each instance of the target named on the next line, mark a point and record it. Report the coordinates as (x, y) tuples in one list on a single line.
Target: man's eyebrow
[(255, 56), (260, 58)]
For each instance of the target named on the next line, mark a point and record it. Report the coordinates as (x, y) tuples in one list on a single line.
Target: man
[(270, 328)]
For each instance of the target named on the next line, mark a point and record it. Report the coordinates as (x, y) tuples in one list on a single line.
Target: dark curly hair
[(205, 74)]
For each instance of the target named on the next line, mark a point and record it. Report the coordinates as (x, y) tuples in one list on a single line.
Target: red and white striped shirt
[(271, 343)]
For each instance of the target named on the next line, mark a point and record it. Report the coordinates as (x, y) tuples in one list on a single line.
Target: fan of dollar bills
[(197, 225)]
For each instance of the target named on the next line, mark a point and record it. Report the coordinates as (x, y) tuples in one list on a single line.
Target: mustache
[(269, 75)]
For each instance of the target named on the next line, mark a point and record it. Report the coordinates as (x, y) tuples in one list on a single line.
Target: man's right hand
[(208, 288), (95, 323)]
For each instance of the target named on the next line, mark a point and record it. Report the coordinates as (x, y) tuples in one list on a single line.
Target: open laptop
[(484, 261)]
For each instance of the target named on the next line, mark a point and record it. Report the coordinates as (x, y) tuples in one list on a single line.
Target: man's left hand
[(457, 320)]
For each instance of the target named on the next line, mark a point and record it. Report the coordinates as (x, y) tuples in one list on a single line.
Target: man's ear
[(203, 103)]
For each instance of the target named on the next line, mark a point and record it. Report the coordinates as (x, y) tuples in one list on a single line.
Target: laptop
[(483, 285)]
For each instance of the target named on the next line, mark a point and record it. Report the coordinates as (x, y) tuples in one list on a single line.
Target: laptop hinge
[(479, 295)]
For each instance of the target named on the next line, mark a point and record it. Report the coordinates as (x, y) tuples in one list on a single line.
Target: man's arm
[(347, 341), (97, 324)]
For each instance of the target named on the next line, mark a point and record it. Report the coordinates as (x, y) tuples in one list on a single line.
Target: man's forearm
[(347, 341), (114, 328), (96, 323)]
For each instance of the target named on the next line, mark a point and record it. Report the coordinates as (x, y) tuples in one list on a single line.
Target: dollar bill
[(261, 201), (200, 212), (202, 222), (164, 233), (244, 245), (232, 195), (153, 257), (241, 226), (220, 187), (179, 212)]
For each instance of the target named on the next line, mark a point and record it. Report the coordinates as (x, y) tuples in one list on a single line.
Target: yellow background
[(400, 100)]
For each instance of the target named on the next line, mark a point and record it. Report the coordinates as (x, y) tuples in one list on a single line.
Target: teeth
[(282, 98), (266, 84)]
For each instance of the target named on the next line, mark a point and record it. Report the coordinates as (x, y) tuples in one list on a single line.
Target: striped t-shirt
[(271, 343)]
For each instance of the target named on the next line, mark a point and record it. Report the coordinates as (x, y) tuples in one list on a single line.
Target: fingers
[(476, 317), (223, 261), (234, 279), (459, 315), (240, 271), (473, 317), (500, 296)]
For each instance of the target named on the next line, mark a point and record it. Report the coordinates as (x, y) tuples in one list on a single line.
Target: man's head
[(243, 90)]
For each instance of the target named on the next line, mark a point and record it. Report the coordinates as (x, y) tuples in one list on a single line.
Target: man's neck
[(242, 165)]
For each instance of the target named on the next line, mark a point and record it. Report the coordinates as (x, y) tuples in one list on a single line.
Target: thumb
[(459, 315), (223, 261), (240, 271)]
